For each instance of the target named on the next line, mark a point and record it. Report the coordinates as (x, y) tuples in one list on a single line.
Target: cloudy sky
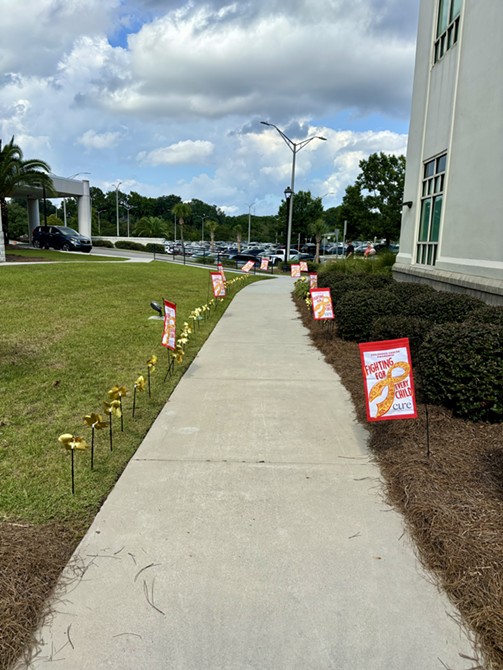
[(167, 96)]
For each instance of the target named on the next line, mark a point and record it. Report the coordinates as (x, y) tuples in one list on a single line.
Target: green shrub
[(97, 242), (487, 314), (443, 307), (154, 248), (339, 284), (128, 244), (461, 367), (406, 291), (301, 288), (357, 311), (392, 327)]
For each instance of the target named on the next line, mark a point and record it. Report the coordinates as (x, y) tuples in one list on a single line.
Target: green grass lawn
[(57, 256), (69, 332)]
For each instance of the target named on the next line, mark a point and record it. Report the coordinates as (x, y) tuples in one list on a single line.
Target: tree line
[(371, 208)]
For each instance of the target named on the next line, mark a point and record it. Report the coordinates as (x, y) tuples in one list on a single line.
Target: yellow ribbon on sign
[(389, 383), (321, 306)]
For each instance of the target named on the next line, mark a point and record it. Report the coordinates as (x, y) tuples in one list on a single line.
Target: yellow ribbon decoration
[(389, 383)]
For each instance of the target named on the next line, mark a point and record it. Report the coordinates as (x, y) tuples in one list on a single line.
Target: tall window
[(447, 26), (431, 210)]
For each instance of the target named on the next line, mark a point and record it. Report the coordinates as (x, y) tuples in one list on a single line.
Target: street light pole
[(294, 147), (127, 207), (117, 205), (249, 222), (203, 217)]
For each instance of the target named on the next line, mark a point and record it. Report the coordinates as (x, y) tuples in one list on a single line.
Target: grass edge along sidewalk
[(70, 333)]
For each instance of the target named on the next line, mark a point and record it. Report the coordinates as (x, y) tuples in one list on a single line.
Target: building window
[(447, 26), (431, 210)]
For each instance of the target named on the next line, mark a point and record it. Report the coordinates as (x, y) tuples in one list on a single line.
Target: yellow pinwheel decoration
[(152, 362), (117, 392), (113, 407), (140, 383), (71, 442), (95, 421)]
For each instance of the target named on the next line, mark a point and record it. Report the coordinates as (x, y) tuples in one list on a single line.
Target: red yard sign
[(387, 374), (169, 330), (322, 304), (218, 284)]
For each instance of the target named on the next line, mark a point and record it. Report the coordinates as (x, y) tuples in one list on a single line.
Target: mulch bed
[(451, 500), (31, 560)]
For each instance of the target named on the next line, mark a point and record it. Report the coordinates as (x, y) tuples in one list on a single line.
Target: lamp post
[(288, 230), (294, 147), (249, 222), (127, 207), (202, 227), (117, 205)]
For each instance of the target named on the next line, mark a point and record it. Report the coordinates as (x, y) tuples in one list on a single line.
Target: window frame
[(447, 27), (431, 209)]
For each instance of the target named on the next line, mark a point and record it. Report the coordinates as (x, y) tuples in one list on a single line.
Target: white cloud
[(182, 153), (122, 88), (93, 140)]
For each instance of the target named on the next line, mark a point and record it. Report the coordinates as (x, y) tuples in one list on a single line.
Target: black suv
[(60, 237)]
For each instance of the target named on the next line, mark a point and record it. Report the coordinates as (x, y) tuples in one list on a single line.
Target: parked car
[(60, 237), (241, 259), (301, 257)]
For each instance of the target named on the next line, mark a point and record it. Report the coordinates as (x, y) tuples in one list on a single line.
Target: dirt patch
[(31, 560), (12, 258), (451, 500)]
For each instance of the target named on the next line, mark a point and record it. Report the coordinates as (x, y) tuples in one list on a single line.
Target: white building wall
[(458, 107)]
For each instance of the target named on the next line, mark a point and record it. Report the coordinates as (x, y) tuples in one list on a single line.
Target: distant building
[(452, 222)]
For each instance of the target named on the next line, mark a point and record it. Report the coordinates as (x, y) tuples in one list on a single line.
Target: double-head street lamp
[(128, 208), (294, 147)]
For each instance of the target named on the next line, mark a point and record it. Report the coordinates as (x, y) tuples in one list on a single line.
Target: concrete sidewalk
[(249, 530)]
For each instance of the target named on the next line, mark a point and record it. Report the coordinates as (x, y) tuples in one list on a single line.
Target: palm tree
[(15, 172), (318, 229), (212, 226), (182, 211), (151, 226)]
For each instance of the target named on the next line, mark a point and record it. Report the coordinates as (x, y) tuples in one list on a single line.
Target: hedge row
[(150, 247), (456, 340)]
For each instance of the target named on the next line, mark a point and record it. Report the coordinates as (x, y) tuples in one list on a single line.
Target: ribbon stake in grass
[(111, 408), (71, 443), (151, 363), (96, 422), (117, 393), (139, 386)]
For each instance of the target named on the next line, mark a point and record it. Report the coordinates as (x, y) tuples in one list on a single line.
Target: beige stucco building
[(452, 223)]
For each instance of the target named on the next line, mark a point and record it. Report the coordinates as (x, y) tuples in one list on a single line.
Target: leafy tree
[(373, 204), (54, 220), (306, 210), (15, 172), (318, 229), (182, 212), (18, 219), (355, 211), (151, 226)]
